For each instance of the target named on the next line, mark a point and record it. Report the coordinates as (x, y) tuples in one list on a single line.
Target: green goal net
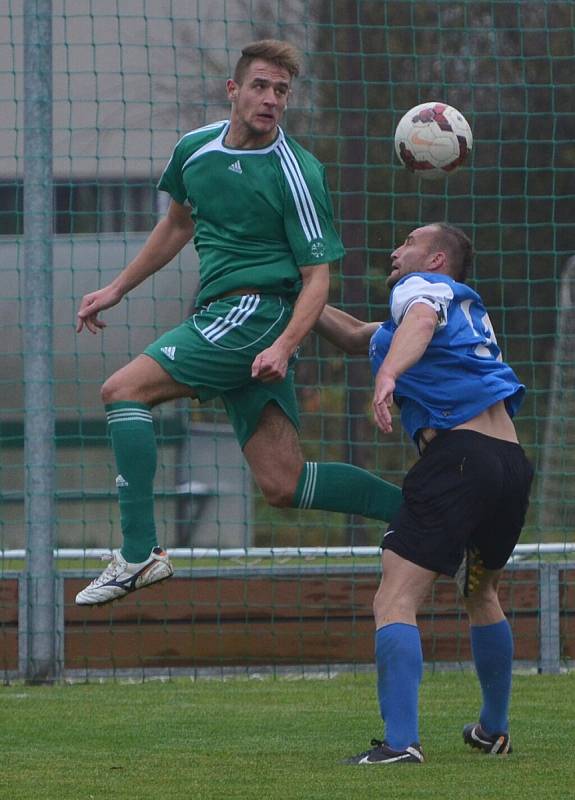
[(129, 79)]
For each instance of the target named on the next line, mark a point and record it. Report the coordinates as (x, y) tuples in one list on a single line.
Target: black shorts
[(466, 490)]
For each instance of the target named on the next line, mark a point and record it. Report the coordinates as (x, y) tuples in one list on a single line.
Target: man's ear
[(438, 261), (232, 89)]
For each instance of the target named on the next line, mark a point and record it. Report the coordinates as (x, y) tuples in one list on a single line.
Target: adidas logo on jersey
[(121, 482), (236, 167), (169, 352)]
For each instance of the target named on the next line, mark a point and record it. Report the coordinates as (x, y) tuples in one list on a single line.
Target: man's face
[(414, 255), (259, 102)]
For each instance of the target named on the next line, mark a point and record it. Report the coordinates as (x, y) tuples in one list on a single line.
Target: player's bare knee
[(112, 391), (378, 598), (385, 605), (277, 494), (107, 393), (277, 482), (483, 606)]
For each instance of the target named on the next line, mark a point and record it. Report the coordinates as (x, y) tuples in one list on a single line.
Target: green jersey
[(260, 214)]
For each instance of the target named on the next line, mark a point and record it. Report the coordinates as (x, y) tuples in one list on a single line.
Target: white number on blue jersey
[(482, 329)]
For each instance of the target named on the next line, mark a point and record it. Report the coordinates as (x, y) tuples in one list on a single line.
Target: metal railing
[(549, 582)]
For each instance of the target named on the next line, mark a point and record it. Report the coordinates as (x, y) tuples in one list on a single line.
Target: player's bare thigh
[(143, 380), (275, 457)]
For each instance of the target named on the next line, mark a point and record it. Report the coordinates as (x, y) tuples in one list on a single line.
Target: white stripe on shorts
[(233, 319)]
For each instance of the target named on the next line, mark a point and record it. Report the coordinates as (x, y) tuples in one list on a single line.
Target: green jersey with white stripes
[(259, 214)]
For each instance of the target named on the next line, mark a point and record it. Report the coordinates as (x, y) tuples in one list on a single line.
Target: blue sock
[(492, 647), (399, 661)]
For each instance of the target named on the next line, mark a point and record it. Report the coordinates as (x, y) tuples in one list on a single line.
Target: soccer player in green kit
[(259, 210)]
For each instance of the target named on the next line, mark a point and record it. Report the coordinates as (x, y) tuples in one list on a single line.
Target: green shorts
[(212, 352)]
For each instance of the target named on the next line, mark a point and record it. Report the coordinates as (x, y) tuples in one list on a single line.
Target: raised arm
[(166, 240), (345, 331)]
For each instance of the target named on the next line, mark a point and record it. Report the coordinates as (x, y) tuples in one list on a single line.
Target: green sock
[(345, 488), (134, 443)]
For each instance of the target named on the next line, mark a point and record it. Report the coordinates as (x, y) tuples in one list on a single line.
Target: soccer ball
[(433, 139)]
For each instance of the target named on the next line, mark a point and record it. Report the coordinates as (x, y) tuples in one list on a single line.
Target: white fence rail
[(521, 551)]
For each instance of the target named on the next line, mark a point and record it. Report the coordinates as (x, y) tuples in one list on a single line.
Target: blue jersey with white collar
[(462, 372)]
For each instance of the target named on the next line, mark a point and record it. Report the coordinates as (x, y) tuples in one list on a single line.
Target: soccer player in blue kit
[(465, 499)]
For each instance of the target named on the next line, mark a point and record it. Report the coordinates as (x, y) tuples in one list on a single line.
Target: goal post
[(556, 500)]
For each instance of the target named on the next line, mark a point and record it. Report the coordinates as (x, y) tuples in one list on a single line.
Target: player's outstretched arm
[(345, 331), (166, 240)]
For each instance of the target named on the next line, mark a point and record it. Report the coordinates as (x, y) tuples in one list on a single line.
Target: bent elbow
[(357, 348), (356, 344)]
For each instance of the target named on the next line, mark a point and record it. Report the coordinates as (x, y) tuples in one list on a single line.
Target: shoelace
[(113, 569)]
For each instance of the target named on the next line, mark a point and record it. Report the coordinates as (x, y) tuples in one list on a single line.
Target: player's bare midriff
[(494, 421)]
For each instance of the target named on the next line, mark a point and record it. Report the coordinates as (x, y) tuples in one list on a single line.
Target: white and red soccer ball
[(433, 139)]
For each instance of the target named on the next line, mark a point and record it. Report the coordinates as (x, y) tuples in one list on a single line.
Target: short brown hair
[(282, 54), (458, 248)]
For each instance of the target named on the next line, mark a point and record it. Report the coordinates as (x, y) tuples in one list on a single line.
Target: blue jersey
[(461, 372)]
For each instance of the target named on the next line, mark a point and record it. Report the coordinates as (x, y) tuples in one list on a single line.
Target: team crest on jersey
[(317, 249)]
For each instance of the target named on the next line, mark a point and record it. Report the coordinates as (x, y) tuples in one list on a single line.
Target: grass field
[(269, 739)]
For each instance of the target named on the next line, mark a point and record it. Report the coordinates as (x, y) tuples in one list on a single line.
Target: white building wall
[(131, 76)]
